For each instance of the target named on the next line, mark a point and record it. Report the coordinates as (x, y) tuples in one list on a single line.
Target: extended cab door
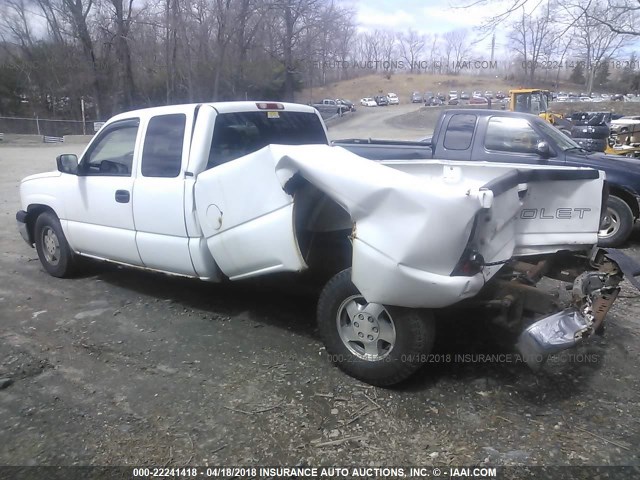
[(456, 137), (246, 217), (98, 205), (159, 192)]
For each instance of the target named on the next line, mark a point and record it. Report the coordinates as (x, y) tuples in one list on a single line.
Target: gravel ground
[(124, 367)]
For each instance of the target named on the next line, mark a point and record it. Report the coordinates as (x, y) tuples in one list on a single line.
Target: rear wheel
[(52, 247), (617, 224), (377, 344)]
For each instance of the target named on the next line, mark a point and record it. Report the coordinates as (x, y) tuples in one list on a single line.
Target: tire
[(592, 144), (52, 246), (600, 119), (401, 338), (617, 225), (590, 131)]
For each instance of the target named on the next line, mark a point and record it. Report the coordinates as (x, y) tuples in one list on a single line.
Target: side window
[(459, 132), (113, 152), (513, 135), (162, 151)]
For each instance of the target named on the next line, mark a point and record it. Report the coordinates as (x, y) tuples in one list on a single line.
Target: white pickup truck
[(228, 191)]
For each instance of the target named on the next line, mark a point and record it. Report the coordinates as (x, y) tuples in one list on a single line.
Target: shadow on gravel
[(281, 301), (471, 351)]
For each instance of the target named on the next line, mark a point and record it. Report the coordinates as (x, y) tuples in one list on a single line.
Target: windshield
[(563, 142)]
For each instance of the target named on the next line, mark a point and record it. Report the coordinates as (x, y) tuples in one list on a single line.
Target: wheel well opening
[(627, 197), (323, 230), (33, 211)]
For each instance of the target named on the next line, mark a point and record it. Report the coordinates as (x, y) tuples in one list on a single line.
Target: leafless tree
[(121, 53), (594, 40), (622, 15), (532, 37), (411, 46), (456, 46), (388, 47)]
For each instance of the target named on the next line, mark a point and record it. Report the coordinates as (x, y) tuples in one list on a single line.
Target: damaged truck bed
[(397, 239)]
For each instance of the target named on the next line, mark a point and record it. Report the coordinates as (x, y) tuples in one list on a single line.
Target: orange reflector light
[(270, 106)]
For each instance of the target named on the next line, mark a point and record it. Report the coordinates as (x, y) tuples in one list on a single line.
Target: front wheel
[(377, 344), (52, 247), (617, 224)]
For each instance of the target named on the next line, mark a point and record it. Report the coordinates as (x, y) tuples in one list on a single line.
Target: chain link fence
[(46, 127)]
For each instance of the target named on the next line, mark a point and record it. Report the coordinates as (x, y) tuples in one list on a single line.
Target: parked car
[(416, 97), (234, 207), (393, 99), (330, 106), (453, 94), (488, 94), (546, 145), (381, 100), (431, 100), (347, 103), (368, 102), (464, 96), (478, 101), (500, 95)]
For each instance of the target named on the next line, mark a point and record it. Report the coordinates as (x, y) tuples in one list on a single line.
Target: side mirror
[(67, 163), (543, 150)]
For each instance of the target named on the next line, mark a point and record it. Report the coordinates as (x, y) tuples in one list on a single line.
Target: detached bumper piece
[(593, 295)]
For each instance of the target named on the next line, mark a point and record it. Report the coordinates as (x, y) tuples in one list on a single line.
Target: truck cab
[(129, 197)]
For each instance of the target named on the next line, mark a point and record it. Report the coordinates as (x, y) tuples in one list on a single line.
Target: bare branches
[(621, 15)]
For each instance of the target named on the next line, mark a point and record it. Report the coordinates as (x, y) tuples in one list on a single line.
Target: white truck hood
[(35, 176)]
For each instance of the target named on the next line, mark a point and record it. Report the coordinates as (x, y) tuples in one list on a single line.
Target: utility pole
[(493, 46), (84, 124)]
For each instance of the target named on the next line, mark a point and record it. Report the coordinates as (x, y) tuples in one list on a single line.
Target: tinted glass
[(239, 134), (459, 132), (162, 152), (511, 135)]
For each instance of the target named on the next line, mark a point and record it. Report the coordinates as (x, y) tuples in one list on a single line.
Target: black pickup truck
[(502, 136)]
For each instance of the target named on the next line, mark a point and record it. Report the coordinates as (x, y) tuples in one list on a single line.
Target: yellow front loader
[(535, 101)]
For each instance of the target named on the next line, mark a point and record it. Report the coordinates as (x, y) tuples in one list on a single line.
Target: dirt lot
[(121, 367)]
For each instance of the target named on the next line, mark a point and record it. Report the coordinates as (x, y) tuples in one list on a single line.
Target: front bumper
[(21, 219), (593, 295)]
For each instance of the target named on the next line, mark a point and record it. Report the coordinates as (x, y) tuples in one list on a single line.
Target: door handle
[(122, 196)]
